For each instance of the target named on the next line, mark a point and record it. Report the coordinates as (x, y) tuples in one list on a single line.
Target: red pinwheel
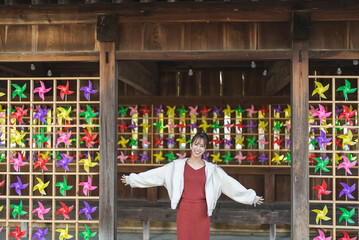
[(133, 157), (158, 141), (20, 112), (65, 210), (41, 162), (322, 189), (239, 125), (263, 110), (89, 140), (347, 114), (216, 141), (64, 90), (182, 125), (346, 237), (144, 110), (311, 157), (122, 126), (278, 141), (251, 157), (17, 234), (205, 111)]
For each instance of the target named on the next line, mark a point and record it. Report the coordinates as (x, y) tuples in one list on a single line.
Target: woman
[(194, 186)]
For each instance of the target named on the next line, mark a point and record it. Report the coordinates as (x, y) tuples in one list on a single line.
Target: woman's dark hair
[(203, 136)]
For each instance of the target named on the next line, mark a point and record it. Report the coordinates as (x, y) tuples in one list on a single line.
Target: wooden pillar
[(108, 127), (269, 188), (300, 124)]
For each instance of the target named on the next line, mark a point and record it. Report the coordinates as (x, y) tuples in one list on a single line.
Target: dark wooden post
[(300, 135), (106, 26)]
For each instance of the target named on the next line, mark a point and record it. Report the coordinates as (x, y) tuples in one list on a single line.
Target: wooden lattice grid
[(29, 175)]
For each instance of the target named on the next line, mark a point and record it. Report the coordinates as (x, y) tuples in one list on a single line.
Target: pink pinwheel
[(42, 90), (312, 109), (133, 110), (2, 183), (144, 142), (321, 113), (64, 210), (41, 114), (20, 112), (347, 190), (41, 211), (64, 161), (322, 189), (122, 157), (63, 138), (87, 210), (251, 111), (64, 90), (88, 90), (89, 140), (39, 234), (87, 186), (262, 142), (240, 157), (17, 162), (347, 114), (18, 186), (346, 164), (193, 110), (321, 236), (346, 237), (41, 162)]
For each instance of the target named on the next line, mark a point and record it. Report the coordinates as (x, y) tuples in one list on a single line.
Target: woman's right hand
[(123, 179)]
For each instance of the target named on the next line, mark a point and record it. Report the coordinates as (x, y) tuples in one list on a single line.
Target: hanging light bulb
[(32, 67), (49, 73), (265, 72), (355, 62), (339, 70), (253, 64), (190, 71)]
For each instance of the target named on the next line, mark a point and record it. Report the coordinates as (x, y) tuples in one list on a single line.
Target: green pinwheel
[(2, 156), (159, 125), (346, 89), (182, 110), (133, 142), (321, 164), (251, 142), (278, 125), (123, 110), (170, 156), (17, 209), (227, 158), (239, 110), (87, 234), (351, 157), (288, 158), (63, 186), (347, 215), (216, 126), (88, 114), (19, 91), (313, 142), (41, 138)]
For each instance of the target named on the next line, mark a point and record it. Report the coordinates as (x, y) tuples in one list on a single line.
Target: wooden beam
[(344, 54), (279, 76), (89, 56), (108, 141), (138, 76), (16, 72)]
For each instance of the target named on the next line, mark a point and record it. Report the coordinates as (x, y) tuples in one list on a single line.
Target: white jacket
[(171, 176)]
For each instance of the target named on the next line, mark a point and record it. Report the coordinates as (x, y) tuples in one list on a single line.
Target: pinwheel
[(170, 156), (89, 140), (62, 113), (63, 187), (278, 141), (145, 110), (42, 90), (64, 162), (65, 210), (144, 157), (133, 142), (320, 90), (2, 183), (351, 157), (227, 157), (159, 110), (145, 142), (17, 162), (322, 189), (240, 157), (216, 141), (88, 90), (278, 109), (64, 233), (347, 215), (87, 186), (88, 114), (321, 113), (205, 111), (204, 125), (123, 111), (181, 141), (346, 89), (64, 137), (87, 210), (159, 126), (170, 111), (347, 190), (182, 111), (145, 126), (88, 163), (122, 157), (17, 234), (123, 142), (16, 137), (263, 158), (287, 111), (322, 139), (346, 237), (288, 158), (133, 157), (18, 186), (158, 157), (227, 142), (159, 141), (321, 164), (239, 110), (251, 125), (346, 164), (228, 126), (251, 157), (181, 156), (87, 234), (19, 91), (347, 114), (41, 138), (216, 158), (251, 111), (288, 126), (251, 141), (263, 110), (41, 114), (239, 141), (217, 111), (277, 158), (40, 234), (216, 126), (263, 125), (17, 209), (41, 163), (182, 126), (347, 139), (277, 126), (321, 214), (133, 110), (41, 186), (64, 90), (227, 112), (170, 125), (20, 112), (193, 110), (321, 236), (133, 126), (41, 211)]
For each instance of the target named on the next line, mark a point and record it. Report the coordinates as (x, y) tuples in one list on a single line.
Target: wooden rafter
[(279, 77)]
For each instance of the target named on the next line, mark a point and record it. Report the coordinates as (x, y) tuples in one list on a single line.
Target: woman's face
[(198, 147)]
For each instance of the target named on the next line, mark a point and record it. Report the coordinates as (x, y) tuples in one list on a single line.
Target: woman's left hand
[(259, 202)]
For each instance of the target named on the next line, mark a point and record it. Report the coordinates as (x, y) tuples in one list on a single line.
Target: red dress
[(192, 219)]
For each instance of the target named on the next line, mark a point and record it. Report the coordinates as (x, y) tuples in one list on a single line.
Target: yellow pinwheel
[(97, 158), (263, 125), (216, 158), (17, 137), (123, 142), (181, 140), (320, 90), (287, 111), (158, 157), (87, 163), (277, 158), (337, 158), (64, 233), (239, 141), (62, 113), (145, 126), (321, 214), (227, 111), (171, 111), (1, 208), (347, 139), (204, 125), (41, 186)]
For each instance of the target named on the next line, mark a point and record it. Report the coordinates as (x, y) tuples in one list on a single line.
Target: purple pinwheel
[(41, 114), (278, 109), (347, 190), (159, 110), (88, 90), (87, 210), (144, 157), (287, 142), (251, 125), (314, 124), (64, 161), (133, 126), (338, 111), (263, 158), (39, 234), (193, 125), (205, 156), (18, 186), (322, 139), (227, 142), (217, 111), (170, 141)]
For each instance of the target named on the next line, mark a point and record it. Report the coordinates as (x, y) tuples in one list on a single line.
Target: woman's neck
[(195, 159)]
